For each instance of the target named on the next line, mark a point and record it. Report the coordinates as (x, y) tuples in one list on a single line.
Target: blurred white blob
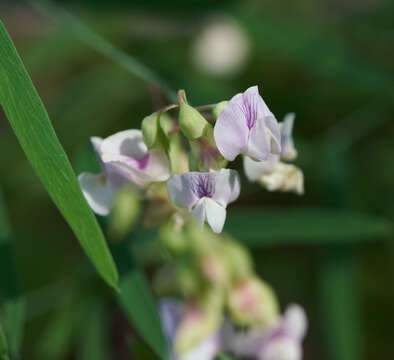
[(221, 48)]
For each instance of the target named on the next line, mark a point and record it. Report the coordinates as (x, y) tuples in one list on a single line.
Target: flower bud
[(238, 259), (218, 108), (196, 324), (253, 303), (214, 269), (125, 212), (188, 279), (172, 236), (191, 122), (153, 132)]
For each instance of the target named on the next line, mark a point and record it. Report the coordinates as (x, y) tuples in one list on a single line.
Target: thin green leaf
[(31, 124), (305, 226), (98, 43), (137, 302), (3, 345)]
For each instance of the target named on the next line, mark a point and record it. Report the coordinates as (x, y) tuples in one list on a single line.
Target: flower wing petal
[(128, 142), (227, 186), (158, 166), (179, 189), (255, 169), (215, 215), (231, 130), (295, 322), (288, 151), (97, 192)]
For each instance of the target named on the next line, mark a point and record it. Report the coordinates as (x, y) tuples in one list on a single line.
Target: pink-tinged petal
[(180, 190), (295, 322), (158, 166), (215, 215), (282, 348), (231, 130), (199, 211), (227, 186), (97, 192), (255, 169), (288, 151), (128, 143)]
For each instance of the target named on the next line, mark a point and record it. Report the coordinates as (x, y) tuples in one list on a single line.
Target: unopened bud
[(252, 302), (218, 108), (153, 132), (172, 236), (238, 259)]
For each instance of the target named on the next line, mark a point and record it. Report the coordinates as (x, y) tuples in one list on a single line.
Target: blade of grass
[(258, 228), (31, 124), (102, 46), (3, 345), (137, 302)]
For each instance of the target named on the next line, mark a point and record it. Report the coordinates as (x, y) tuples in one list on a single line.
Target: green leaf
[(31, 124), (3, 345), (305, 226), (137, 302)]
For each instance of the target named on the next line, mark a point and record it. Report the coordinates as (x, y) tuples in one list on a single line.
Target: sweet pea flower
[(124, 158), (273, 174), (281, 343), (206, 195), (174, 317), (246, 126)]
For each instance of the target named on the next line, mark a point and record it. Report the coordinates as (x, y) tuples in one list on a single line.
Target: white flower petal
[(158, 166), (295, 322), (259, 142), (97, 192), (129, 143), (227, 186), (206, 350), (288, 151), (199, 211), (255, 169), (282, 348), (215, 215)]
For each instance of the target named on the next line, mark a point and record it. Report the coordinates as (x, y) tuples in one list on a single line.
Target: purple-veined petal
[(215, 215), (288, 151), (259, 141), (129, 143), (97, 192), (227, 186), (180, 190), (231, 131), (295, 322), (255, 169)]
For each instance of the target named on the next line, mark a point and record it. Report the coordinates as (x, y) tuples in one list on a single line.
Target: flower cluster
[(179, 167), (244, 125)]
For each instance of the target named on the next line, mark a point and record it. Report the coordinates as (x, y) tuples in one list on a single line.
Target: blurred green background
[(330, 62)]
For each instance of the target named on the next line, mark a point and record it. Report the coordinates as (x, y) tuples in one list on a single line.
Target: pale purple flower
[(247, 126), (171, 313), (284, 342), (124, 158), (206, 195)]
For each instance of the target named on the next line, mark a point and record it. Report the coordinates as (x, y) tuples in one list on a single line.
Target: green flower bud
[(125, 213), (153, 132), (238, 259), (172, 236), (191, 122), (188, 279), (252, 302), (218, 108)]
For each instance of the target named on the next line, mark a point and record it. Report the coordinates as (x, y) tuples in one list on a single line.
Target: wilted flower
[(188, 324), (246, 126), (273, 174), (206, 195), (283, 342), (124, 158)]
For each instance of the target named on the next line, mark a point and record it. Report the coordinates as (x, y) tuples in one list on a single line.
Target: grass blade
[(137, 302), (31, 124), (258, 228), (3, 345)]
